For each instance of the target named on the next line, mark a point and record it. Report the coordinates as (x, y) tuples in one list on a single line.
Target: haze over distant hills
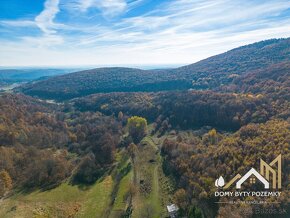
[(11, 75), (211, 73)]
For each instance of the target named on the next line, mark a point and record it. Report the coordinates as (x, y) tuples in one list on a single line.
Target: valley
[(123, 142)]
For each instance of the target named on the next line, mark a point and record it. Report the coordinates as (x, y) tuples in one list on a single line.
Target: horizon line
[(95, 66)]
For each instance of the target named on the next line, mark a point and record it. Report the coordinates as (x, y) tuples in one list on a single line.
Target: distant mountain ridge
[(209, 74), (8, 76)]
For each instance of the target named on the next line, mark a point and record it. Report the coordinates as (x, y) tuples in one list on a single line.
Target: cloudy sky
[(133, 32)]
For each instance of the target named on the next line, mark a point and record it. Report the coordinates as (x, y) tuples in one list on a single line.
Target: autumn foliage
[(137, 127)]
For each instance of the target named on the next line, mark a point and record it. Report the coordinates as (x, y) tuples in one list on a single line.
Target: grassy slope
[(121, 201), (97, 200), (150, 203), (63, 201), (120, 197)]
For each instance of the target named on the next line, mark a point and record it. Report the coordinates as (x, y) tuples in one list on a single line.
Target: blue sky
[(133, 32)]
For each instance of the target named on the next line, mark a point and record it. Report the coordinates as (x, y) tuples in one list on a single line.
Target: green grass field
[(63, 201)]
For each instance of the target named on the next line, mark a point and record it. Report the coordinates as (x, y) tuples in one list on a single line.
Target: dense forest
[(188, 109), (231, 110), (105, 80), (198, 162), (38, 140)]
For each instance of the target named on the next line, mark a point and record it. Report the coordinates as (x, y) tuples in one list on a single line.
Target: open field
[(63, 201)]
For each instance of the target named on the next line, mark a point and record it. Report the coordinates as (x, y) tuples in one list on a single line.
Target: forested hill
[(224, 68), (111, 79), (211, 73)]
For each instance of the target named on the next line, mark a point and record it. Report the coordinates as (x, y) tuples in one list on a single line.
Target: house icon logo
[(270, 177)]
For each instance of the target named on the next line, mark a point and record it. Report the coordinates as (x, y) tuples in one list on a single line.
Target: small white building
[(172, 210)]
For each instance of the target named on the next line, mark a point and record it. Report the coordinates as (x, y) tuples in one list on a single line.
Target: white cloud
[(44, 41), (18, 23), (45, 19), (187, 23), (45, 22), (109, 8), (180, 31)]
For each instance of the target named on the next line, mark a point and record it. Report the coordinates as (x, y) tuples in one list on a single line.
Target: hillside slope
[(221, 69), (210, 73)]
